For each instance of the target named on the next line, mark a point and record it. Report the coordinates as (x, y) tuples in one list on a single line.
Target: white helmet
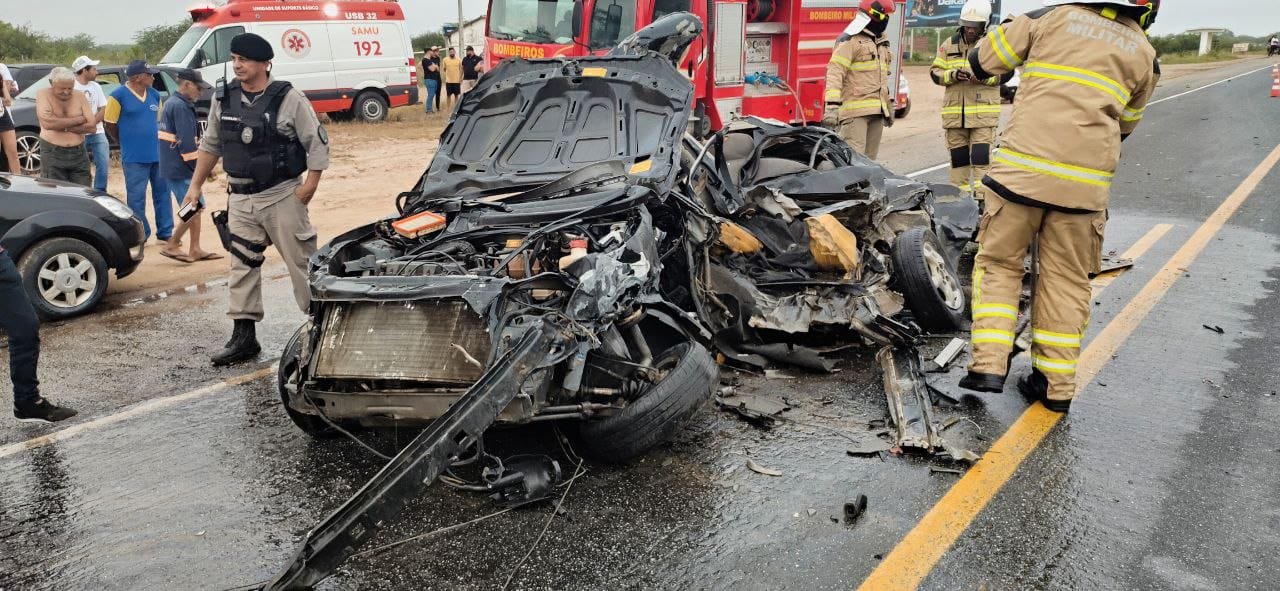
[(976, 13)]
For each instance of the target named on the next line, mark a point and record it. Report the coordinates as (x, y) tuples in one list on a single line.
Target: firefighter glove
[(831, 117)]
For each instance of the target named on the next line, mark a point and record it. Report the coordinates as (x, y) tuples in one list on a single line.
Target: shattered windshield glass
[(532, 21)]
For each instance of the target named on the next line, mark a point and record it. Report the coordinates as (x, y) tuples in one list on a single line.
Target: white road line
[(1155, 102), (131, 412), (1224, 80)]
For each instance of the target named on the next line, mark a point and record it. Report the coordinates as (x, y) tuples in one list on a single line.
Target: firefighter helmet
[(877, 9), (1144, 11), (976, 13)]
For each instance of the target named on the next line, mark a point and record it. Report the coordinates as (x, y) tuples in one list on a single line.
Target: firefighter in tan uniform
[(971, 105), (1088, 71), (857, 93), (267, 136)]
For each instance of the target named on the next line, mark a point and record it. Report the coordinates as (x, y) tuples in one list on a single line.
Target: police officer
[(970, 106), (857, 94), (1088, 71), (267, 136)]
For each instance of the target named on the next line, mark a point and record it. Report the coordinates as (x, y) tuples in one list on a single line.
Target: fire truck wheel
[(369, 107)]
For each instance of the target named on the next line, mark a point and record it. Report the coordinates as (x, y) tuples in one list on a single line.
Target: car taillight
[(413, 73)]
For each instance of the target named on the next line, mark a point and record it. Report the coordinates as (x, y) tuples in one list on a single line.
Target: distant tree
[(152, 43), (19, 42), (426, 40)]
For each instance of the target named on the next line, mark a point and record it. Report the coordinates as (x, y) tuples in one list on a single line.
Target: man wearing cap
[(267, 135), (96, 143), (471, 69), (132, 119), (179, 140), (65, 118), (431, 74)]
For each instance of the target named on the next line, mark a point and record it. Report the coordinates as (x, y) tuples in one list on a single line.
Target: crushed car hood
[(530, 122)]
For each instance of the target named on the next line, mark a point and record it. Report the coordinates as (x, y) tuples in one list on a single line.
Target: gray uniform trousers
[(284, 223)]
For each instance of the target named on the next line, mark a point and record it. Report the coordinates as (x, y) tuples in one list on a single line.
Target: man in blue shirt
[(179, 143), (132, 117)]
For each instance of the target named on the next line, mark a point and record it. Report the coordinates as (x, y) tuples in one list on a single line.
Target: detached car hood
[(530, 122)]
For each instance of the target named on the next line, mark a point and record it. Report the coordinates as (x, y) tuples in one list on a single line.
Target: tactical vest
[(252, 146)]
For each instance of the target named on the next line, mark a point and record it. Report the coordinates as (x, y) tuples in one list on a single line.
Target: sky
[(68, 17)]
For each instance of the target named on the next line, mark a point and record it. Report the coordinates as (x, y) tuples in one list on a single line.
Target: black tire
[(900, 113), (369, 107), (67, 288), (928, 282), (29, 152), (309, 424), (658, 412)]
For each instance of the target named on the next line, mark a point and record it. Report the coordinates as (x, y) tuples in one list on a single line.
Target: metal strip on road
[(142, 408), (915, 556), (1155, 102)]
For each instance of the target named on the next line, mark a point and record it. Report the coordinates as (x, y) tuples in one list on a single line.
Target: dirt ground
[(372, 163)]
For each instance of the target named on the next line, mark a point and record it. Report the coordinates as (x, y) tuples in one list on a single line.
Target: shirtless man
[(65, 117)]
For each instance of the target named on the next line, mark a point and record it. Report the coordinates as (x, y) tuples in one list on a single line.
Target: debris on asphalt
[(758, 469), (948, 355), (760, 410), (855, 508), (911, 407), (937, 470), (1214, 328)]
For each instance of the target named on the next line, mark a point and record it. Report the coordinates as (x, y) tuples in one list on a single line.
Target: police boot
[(242, 346), (1035, 387)]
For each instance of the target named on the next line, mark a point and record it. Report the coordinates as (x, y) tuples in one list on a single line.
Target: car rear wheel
[(370, 107), (686, 373), (63, 277), (290, 363), (927, 281), (29, 152)]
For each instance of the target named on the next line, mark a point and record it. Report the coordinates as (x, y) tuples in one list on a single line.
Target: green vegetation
[(426, 40), (19, 43)]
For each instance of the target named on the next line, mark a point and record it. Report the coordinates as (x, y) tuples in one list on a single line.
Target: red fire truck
[(766, 58)]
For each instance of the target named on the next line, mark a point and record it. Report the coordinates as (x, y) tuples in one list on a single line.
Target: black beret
[(248, 45)]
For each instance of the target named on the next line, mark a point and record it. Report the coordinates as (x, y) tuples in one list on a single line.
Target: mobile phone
[(189, 211)]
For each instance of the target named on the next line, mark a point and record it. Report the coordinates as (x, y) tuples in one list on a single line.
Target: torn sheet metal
[(759, 410), (911, 407)]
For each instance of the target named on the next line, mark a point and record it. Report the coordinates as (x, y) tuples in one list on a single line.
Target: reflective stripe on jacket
[(1087, 74), (965, 105), (857, 77)]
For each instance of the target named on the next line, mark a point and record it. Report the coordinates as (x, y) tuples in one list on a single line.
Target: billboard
[(940, 13)]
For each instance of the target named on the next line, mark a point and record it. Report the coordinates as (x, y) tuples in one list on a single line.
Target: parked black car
[(110, 78), (27, 74), (65, 238)]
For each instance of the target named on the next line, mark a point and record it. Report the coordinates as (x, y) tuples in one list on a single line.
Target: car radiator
[(441, 341)]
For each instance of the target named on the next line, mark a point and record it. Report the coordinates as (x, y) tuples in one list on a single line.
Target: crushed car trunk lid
[(530, 122)]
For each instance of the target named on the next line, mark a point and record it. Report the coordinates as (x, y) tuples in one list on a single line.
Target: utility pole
[(461, 23)]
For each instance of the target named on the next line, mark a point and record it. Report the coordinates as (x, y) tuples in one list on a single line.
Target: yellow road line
[(134, 411), (912, 559)]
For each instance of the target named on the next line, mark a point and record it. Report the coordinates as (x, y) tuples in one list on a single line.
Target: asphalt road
[(1162, 477)]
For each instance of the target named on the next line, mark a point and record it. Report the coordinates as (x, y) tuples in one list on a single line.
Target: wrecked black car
[(573, 254)]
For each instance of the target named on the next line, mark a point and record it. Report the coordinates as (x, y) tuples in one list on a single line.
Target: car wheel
[(288, 370), (900, 113), (29, 152), (927, 281), (63, 277), (686, 373), (370, 107)]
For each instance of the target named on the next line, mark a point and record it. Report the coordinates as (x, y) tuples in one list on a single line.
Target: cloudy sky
[(117, 25)]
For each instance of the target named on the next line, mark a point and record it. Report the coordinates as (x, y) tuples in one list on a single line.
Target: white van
[(352, 59)]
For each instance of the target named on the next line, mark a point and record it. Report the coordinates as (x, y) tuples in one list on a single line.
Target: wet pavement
[(1163, 476)]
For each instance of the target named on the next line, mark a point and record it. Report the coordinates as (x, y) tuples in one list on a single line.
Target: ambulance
[(352, 59)]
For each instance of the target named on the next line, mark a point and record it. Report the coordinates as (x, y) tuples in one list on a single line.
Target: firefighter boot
[(242, 346), (1035, 388), (982, 382)]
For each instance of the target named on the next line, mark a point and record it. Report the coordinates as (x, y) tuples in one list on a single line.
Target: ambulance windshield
[(532, 21), (179, 52)]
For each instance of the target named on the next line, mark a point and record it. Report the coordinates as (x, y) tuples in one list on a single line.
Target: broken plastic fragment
[(758, 469)]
